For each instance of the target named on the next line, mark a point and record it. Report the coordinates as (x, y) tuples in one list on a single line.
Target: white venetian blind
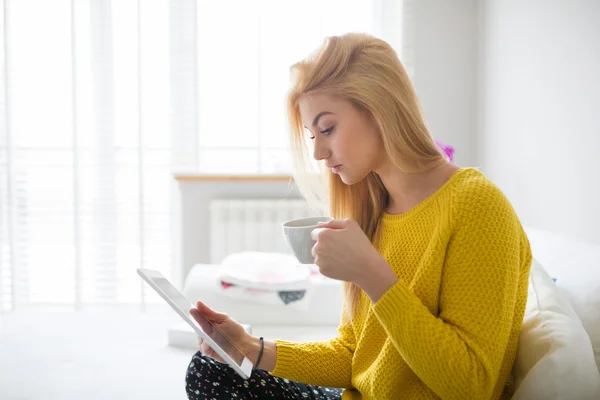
[(85, 150), (100, 100)]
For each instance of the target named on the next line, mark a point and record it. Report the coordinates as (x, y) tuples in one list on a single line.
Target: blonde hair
[(367, 72)]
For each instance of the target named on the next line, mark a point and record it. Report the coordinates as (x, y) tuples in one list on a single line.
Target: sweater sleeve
[(323, 363), (458, 353)]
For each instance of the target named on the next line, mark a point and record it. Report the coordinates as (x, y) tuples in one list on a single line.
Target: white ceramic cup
[(297, 236)]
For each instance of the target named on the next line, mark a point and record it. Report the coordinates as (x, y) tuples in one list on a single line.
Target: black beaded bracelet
[(262, 347)]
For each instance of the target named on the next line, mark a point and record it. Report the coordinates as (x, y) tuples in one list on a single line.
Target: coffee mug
[(297, 236)]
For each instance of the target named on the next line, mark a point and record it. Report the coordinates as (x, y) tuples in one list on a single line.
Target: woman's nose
[(320, 152)]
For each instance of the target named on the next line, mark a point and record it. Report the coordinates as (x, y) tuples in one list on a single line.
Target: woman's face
[(346, 138)]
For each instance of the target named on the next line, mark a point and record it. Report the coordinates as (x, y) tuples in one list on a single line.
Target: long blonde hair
[(367, 72)]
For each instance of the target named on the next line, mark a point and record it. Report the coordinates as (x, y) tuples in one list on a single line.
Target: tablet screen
[(184, 305)]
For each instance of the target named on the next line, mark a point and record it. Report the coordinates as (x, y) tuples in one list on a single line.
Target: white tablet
[(206, 330)]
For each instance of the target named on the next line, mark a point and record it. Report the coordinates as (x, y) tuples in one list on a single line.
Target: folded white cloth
[(267, 278)]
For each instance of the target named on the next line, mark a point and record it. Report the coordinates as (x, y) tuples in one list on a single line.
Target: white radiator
[(252, 225)]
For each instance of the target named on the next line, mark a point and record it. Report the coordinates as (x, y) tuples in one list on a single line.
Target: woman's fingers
[(206, 350), (202, 321), (209, 313)]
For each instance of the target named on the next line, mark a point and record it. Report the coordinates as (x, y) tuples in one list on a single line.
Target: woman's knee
[(197, 370), (202, 371)]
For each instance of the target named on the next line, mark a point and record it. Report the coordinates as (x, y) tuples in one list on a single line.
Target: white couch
[(576, 267), (559, 346), (574, 264)]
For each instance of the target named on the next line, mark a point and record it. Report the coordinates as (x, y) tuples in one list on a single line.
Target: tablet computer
[(205, 329)]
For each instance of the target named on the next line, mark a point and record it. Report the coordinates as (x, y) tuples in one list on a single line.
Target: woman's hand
[(228, 327), (342, 251)]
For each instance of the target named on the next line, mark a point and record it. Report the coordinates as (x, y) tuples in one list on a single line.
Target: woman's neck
[(407, 189)]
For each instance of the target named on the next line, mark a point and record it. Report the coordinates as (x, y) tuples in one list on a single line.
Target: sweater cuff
[(285, 356), (388, 308)]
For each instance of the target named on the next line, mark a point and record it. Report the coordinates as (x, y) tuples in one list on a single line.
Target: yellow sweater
[(449, 328)]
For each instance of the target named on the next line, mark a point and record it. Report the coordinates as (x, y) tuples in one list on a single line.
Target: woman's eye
[(327, 131)]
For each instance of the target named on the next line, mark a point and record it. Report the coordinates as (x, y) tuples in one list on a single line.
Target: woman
[(434, 260)]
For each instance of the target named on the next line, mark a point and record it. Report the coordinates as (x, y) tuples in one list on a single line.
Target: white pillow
[(576, 266), (554, 357)]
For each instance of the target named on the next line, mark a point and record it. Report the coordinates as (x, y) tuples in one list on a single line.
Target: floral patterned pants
[(209, 379)]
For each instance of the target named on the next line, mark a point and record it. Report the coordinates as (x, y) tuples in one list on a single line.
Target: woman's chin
[(349, 180)]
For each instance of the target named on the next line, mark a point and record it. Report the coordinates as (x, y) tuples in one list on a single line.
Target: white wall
[(443, 50), (540, 110)]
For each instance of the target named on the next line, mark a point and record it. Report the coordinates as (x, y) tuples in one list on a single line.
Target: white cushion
[(554, 358), (576, 266)]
